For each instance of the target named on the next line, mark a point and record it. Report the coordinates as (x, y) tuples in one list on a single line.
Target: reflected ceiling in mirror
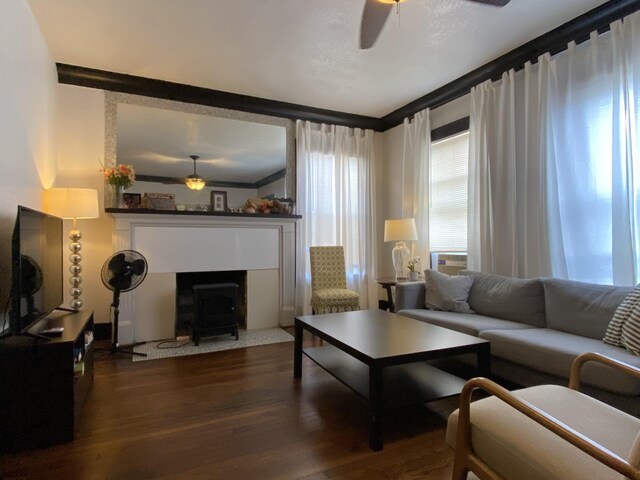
[(159, 142)]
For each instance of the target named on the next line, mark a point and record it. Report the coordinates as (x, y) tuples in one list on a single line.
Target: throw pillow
[(630, 337), (613, 335), (446, 292)]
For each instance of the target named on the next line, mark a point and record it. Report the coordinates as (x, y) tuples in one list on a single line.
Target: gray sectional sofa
[(537, 327)]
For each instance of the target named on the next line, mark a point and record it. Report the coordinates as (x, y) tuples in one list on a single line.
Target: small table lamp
[(75, 204), (400, 231)]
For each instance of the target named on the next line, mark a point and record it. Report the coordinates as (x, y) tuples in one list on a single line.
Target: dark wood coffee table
[(380, 355)]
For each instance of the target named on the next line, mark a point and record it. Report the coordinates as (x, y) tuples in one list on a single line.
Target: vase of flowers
[(120, 177), (413, 266)]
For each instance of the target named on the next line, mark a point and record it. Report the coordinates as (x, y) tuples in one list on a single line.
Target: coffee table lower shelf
[(406, 384)]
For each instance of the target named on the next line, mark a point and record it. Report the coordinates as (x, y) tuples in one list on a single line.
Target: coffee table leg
[(297, 351), (484, 360), (376, 401)]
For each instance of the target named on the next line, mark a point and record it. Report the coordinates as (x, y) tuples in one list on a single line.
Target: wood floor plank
[(237, 414)]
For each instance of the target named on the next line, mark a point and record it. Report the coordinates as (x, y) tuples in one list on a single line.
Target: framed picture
[(159, 201), (218, 201), (132, 200)]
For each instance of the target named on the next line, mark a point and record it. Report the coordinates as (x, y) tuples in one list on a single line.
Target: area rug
[(248, 338)]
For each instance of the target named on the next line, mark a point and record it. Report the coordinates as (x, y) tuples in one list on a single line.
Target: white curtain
[(336, 198), (554, 174), (416, 179), (595, 157), (493, 200)]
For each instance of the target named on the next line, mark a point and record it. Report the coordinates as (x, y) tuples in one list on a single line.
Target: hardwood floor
[(235, 415)]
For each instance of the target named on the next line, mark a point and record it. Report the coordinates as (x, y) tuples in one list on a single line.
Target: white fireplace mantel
[(176, 243)]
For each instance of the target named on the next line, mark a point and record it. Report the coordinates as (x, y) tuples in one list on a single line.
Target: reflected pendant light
[(195, 181)]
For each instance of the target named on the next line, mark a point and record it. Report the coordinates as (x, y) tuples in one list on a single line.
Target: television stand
[(66, 309), (35, 336), (43, 385)]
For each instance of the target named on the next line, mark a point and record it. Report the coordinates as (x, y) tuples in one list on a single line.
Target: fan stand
[(115, 348)]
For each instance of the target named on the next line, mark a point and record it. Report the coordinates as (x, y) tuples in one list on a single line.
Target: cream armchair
[(544, 432), (329, 293)]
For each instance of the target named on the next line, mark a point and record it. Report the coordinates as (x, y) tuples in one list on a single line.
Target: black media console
[(44, 383)]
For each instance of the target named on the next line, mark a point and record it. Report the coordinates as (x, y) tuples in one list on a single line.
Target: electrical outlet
[(182, 338)]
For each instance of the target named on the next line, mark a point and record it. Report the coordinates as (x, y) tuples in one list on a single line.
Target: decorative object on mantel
[(218, 201), (194, 181), (159, 201), (120, 177), (265, 206), (132, 200), (75, 204)]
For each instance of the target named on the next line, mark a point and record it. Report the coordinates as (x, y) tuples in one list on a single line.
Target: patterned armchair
[(329, 293)]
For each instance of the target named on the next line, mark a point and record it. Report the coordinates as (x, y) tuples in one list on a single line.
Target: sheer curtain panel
[(416, 179), (336, 198), (554, 175)]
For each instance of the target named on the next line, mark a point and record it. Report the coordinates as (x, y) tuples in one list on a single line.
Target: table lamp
[(75, 204), (400, 231)]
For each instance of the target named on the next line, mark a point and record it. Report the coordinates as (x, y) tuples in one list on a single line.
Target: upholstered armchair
[(544, 432), (329, 293)]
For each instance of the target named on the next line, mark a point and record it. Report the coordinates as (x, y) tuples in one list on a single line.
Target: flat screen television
[(37, 271)]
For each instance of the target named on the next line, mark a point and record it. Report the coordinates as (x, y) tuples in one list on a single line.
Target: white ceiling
[(299, 51)]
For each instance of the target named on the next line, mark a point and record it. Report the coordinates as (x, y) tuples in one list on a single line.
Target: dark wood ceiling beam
[(553, 41), (149, 87)]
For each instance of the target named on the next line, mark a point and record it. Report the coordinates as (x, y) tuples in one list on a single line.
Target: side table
[(387, 283)]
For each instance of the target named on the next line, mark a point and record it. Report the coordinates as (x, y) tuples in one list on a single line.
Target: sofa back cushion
[(581, 308), (447, 293), (508, 298)]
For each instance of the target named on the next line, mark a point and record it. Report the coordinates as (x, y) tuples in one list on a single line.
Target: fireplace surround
[(263, 246)]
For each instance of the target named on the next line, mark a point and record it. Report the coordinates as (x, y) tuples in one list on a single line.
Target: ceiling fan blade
[(497, 3), (374, 16)]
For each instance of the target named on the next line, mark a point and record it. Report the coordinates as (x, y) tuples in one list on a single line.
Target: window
[(448, 194)]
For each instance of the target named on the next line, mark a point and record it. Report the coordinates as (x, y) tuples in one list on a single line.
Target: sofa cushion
[(514, 299), (613, 335), (581, 308), (553, 352), (469, 323), (517, 447), (448, 293)]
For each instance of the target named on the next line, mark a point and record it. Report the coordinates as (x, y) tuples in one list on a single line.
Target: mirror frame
[(112, 99)]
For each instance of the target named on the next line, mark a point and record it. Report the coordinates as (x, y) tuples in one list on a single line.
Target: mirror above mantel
[(246, 155)]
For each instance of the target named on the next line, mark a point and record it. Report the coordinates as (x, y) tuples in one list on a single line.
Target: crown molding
[(554, 41), (150, 87)]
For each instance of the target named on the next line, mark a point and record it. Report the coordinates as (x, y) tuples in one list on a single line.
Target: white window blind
[(448, 194)]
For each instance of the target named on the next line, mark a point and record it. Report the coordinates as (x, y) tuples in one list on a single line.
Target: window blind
[(448, 194)]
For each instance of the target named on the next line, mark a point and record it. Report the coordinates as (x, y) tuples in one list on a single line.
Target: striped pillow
[(613, 335), (631, 331)]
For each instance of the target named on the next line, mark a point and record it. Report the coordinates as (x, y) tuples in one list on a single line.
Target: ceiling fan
[(376, 12)]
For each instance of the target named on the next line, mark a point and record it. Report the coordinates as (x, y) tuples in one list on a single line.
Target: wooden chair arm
[(466, 460), (574, 376)]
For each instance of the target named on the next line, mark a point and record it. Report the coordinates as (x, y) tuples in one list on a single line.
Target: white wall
[(389, 146), (80, 140), (276, 188), (27, 149)]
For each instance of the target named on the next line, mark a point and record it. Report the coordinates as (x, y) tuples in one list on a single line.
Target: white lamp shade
[(400, 230), (75, 203)]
